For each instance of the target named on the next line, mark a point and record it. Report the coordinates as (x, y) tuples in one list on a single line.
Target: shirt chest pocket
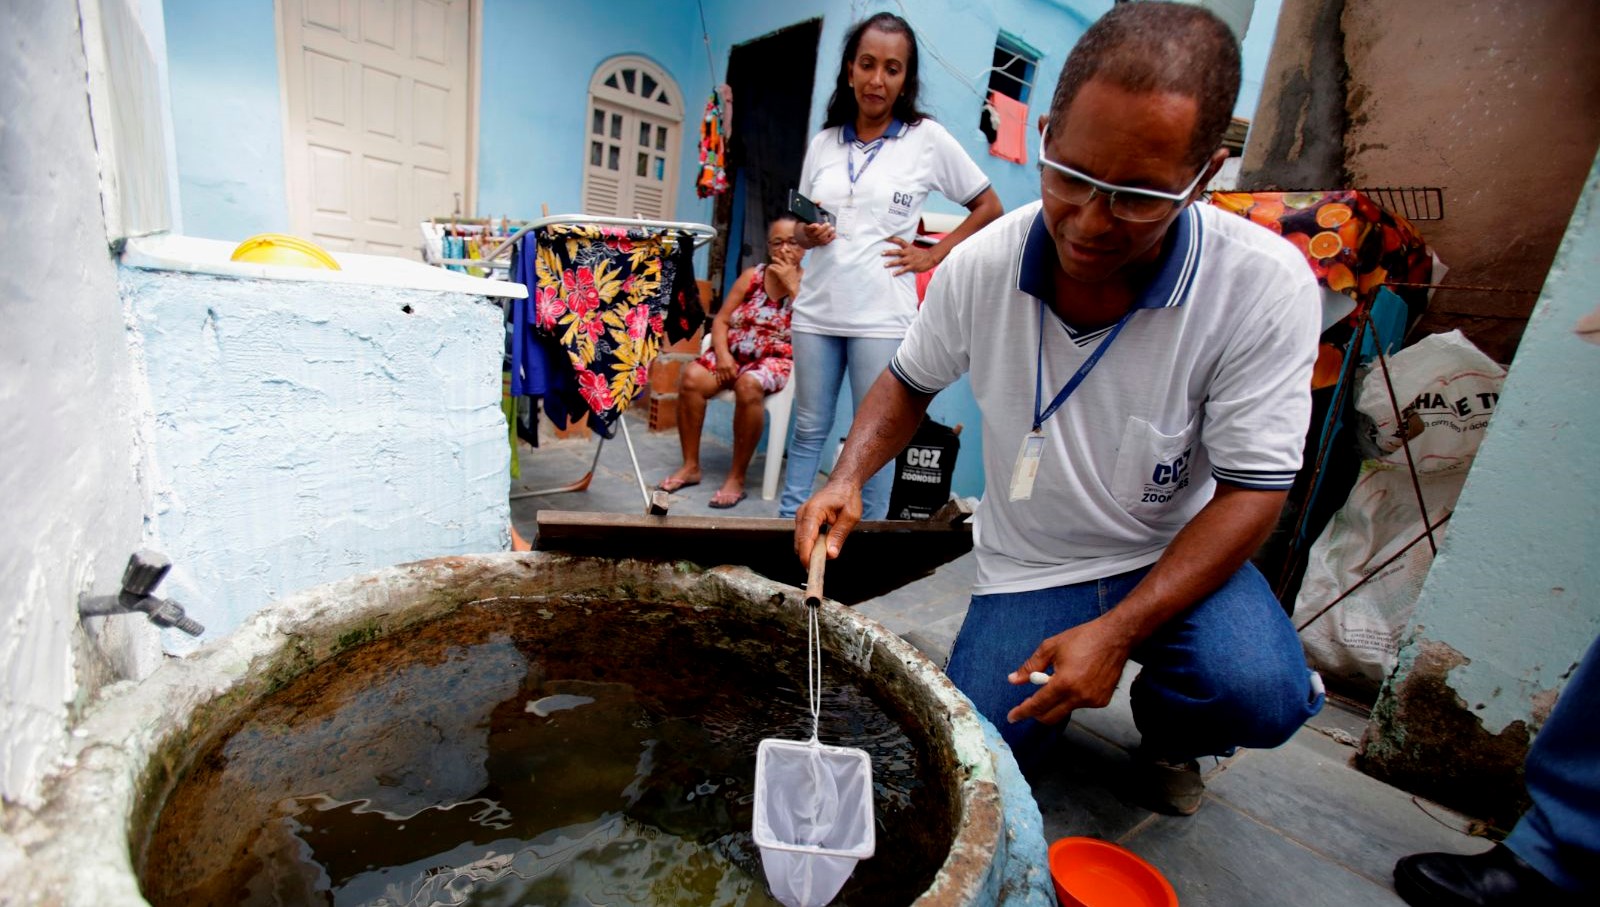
[(897, 206), (1155, 475)]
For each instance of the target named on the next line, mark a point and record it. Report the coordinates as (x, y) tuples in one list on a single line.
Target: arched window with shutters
[(631, 140)]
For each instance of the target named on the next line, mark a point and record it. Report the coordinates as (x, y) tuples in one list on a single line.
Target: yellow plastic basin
[(283, 249)]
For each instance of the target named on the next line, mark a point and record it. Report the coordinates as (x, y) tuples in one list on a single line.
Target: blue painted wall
[(227, 118), (303, 432), (1516, 585), (1254, 50), (957, 44), (538, 58)]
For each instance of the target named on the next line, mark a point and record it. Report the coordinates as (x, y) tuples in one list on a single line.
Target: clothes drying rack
[(703, 233)]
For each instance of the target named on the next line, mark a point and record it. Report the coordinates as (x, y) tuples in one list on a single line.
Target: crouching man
[(1143, 367)]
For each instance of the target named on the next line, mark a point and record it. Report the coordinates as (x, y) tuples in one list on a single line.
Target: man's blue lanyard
[(1076, 379), (850, 161)]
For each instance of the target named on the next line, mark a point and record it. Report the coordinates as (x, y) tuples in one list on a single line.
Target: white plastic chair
[(777, 407)]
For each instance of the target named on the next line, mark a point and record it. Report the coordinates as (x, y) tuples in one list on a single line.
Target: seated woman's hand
[(785, 272), (727, 369)]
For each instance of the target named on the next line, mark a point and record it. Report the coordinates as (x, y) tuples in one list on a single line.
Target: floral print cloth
[(758, 336), (600, 296)]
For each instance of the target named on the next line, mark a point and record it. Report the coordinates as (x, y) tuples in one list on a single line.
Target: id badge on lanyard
[(845, 218), (1031, 452), (851, 211), (1027, 468)]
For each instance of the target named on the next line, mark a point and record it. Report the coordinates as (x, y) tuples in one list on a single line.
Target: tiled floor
[(1291, 826)]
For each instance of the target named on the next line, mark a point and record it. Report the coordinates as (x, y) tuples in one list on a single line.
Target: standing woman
[(872, 166)]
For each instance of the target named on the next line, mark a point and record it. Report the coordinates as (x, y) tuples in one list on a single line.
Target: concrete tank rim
[(80, 842)]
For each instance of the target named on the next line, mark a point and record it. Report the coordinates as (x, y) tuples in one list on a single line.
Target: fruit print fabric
[(1351, 243)]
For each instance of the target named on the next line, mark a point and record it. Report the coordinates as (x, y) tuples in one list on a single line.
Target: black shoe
[(1169, 788), (1496, 878)]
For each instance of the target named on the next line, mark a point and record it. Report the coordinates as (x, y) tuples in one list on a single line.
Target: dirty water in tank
[(592, 753)]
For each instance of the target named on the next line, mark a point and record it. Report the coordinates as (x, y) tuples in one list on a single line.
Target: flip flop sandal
[(669, 487), (723, 504)]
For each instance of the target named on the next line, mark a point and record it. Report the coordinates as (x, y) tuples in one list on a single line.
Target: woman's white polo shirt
[(847, 291)]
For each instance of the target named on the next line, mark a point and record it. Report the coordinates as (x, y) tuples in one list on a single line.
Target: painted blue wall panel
[(1516, 585), (952, 36), (227, 117), (305, 432), (537, 59)]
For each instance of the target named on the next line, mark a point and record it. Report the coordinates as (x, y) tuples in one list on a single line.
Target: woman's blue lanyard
[(850, 161), (1075, 380)]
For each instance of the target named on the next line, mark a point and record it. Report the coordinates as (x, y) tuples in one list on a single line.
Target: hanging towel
[(539, 366), (1011, 132), (685, 312), (600, 296), (712, 180)]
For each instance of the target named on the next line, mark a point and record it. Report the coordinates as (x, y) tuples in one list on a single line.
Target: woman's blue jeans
[(820, 364), (1228, 672), (1560, 834)]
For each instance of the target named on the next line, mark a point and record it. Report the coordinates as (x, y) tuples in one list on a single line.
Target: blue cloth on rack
[(539, 366)]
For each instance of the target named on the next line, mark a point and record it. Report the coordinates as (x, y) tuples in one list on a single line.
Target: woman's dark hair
[(842, 107)]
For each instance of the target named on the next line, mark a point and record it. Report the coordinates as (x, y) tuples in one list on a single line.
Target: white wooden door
[(378, 103)]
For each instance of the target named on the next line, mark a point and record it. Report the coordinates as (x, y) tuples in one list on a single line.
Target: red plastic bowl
[(1089, 872)]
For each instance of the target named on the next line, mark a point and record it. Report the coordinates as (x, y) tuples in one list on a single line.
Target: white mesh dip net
[(813, 809)]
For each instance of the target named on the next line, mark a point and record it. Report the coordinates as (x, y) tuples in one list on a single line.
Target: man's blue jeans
[(820, 363), (1560, 834), (1228, 672)]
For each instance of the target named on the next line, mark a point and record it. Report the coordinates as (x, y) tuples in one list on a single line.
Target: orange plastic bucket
[(1089, 872)]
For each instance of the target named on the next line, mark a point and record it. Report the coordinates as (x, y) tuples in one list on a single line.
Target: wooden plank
[(879, 556)]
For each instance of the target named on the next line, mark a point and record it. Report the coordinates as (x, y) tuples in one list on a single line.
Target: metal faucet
[(145, 571)]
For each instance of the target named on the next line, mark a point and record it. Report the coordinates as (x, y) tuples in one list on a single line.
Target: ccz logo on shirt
[(900, 204), (1167, 479)]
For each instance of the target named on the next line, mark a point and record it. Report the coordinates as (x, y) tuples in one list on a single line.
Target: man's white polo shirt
[(1209, 380), (847, 291)]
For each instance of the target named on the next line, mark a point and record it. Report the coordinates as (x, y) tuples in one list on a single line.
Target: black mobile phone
[(807, 210)]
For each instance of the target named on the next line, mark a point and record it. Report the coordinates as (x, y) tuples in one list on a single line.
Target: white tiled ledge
[(168, 252)]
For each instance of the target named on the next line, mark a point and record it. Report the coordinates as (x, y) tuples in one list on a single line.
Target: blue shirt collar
[(847, 132), (1174, 270)]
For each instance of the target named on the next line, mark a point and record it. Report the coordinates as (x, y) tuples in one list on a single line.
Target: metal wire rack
[(1414, 202)]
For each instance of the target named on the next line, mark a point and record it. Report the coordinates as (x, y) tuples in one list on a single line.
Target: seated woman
[(749, 353)]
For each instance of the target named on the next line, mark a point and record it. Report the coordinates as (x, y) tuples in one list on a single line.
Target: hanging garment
[(685, 313), (600, 296), (456, 249), (539, 367), (712, 180), (1011, 129)]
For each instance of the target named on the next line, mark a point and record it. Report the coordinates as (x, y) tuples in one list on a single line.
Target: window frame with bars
[(1009, 51), (632, 123)]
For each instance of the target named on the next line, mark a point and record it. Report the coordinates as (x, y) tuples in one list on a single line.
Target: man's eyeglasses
[(1127, 203)]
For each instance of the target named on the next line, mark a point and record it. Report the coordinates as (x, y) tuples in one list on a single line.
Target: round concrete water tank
[(140, 743)]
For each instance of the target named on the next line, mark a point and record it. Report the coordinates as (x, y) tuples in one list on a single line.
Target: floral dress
[(758, 337)]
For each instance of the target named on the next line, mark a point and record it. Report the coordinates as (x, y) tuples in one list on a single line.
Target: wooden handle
[(819, 561)]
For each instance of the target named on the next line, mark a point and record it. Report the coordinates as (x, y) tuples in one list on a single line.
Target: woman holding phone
[(871, 167)]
